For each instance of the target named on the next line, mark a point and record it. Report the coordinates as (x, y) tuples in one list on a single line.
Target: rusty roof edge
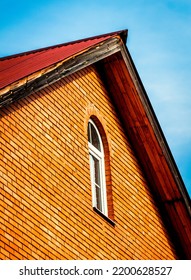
[(122, 33), (156, 126), (61, 69), (8, 87)]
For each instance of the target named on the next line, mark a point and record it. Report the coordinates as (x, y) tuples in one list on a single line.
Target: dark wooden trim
[(143, 130), (73, 64), (155, 125)]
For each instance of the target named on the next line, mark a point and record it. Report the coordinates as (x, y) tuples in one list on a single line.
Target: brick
[(46, 205)]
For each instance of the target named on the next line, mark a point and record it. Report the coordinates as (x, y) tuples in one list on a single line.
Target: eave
[(57, 71), (151, 148)]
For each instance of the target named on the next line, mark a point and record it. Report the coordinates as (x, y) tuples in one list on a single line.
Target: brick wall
[(45, 201)]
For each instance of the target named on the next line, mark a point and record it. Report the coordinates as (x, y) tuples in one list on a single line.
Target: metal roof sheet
[(16, 67)]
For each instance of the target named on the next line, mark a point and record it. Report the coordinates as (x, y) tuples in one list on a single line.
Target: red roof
[(16, 67)]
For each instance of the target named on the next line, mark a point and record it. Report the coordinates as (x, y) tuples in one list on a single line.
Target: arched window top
[(94, 137)]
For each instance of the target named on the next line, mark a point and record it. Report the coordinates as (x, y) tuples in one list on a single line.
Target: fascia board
[(155, 125)]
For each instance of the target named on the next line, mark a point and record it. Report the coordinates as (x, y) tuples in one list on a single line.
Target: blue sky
[(159, 41)]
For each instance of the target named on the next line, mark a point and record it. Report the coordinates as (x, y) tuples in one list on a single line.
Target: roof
[(16, 67), (26, 73)]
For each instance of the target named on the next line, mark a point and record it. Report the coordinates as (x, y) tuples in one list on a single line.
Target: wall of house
[(45, 200)]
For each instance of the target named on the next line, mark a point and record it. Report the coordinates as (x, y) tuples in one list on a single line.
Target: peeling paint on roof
[(16, 67)]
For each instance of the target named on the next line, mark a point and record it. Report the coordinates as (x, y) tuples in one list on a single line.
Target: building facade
[(78, 180)]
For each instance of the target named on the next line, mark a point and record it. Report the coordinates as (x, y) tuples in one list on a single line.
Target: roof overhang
[(137, 115), (57, 71), (150, 145)]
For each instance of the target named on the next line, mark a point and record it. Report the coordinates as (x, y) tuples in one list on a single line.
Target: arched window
[(97, 168)]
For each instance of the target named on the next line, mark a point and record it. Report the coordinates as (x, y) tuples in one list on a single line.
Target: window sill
[(111, 222)]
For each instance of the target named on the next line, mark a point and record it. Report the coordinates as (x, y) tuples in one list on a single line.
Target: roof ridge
[(123, 34)]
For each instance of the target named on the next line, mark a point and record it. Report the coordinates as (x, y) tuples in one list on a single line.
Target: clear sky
[(159, 42)]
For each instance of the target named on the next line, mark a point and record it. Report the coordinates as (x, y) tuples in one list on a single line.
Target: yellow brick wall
[(45, 200)]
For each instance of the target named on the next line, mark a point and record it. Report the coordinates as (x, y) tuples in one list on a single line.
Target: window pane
[(96, 171), (95, 139), (98, 198), (89, 133), (97, 182), (93, 136)]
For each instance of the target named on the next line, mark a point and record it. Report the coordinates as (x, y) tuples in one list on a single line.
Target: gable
[(139, 122)]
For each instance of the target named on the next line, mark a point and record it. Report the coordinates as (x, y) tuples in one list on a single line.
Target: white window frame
[(99, 155)]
